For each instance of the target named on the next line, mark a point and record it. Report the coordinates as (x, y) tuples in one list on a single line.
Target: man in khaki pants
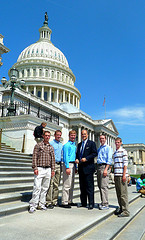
[(52, 195), (120, 178), (69, 156)]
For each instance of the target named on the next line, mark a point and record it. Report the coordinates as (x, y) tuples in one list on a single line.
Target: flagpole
[(105, 110)]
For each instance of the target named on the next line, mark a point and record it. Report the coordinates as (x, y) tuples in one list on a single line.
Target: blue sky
[(103, 43)]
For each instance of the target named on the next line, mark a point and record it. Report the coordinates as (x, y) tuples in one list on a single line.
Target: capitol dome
[(46, 72), (44, 50)]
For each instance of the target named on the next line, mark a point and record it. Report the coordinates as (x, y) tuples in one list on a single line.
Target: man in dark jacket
[(38, 132), (86, 152)]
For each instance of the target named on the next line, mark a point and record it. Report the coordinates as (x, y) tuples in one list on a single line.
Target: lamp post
[(13, 83)]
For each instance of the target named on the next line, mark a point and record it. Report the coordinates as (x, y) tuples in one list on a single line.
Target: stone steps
[(108, 226), (113, 226), (135, 228)]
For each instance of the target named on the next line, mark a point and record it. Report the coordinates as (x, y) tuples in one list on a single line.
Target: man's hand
[(83, 160), (36, 171), (105, 172), (68, 171), (52, 173), (124, 178), (77, 161)]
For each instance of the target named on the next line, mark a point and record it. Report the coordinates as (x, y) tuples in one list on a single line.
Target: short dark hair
[(142, 176), (46, 132), (103, 134), (57, 132)]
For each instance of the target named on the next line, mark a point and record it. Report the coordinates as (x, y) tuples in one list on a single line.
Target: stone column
[(20, 74), (90, 135), (31, 72), (69, 97), (79, 134), (50, 91), (34, 90), (93, 136), (27, 89), (137, 155), (63, 95), (78, 103), (57, 95), (73, 100), (25, 72), (37, 72), (42, 93)]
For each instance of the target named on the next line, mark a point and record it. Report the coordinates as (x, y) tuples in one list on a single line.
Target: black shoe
[(49, 206), (118, 211), (73, 204), (90, 207), (80, 205), (65, 206)]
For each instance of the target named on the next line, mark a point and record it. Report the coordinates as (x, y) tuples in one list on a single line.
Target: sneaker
[(31, 209), (103, 207), (43, 208), (123, 215)]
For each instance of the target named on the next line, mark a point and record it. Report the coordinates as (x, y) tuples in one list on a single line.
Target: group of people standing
[(47, 164)]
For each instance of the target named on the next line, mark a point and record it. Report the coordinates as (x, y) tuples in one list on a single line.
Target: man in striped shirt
[(120, 178), (43, 164)]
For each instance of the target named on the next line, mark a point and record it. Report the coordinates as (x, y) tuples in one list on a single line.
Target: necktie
[(82, 149)]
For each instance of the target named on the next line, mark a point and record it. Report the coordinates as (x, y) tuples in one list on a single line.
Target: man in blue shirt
[(140, 185), (104, 160), (52, 195), (69, 156)]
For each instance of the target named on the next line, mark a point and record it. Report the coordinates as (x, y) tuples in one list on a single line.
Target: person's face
[(118, 144), (84, 135), (57, 136), (43, 125), (46, 137), (102, 140), (72, 137)]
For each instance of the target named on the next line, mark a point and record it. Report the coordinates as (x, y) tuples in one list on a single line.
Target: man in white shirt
[(120, 178)]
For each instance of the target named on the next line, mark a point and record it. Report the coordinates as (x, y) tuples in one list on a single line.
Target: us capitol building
[(49, 94)]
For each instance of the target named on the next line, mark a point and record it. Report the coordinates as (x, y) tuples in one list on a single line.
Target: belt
[(71, 162), (101, 164), (58, 163), (44, 167)]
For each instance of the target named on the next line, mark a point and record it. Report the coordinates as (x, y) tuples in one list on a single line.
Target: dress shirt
[(57, 150), (43, 156), (104, 155), (69, 153), (84, 145)]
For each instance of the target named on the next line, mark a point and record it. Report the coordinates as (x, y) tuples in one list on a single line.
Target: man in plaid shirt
[(43, 164)]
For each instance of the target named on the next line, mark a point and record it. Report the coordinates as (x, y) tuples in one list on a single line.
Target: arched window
[(52, 74), (22, 73), (40, 72), (28, 72), (46, 73), (63, 77), (34, 72), (58, 75)]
